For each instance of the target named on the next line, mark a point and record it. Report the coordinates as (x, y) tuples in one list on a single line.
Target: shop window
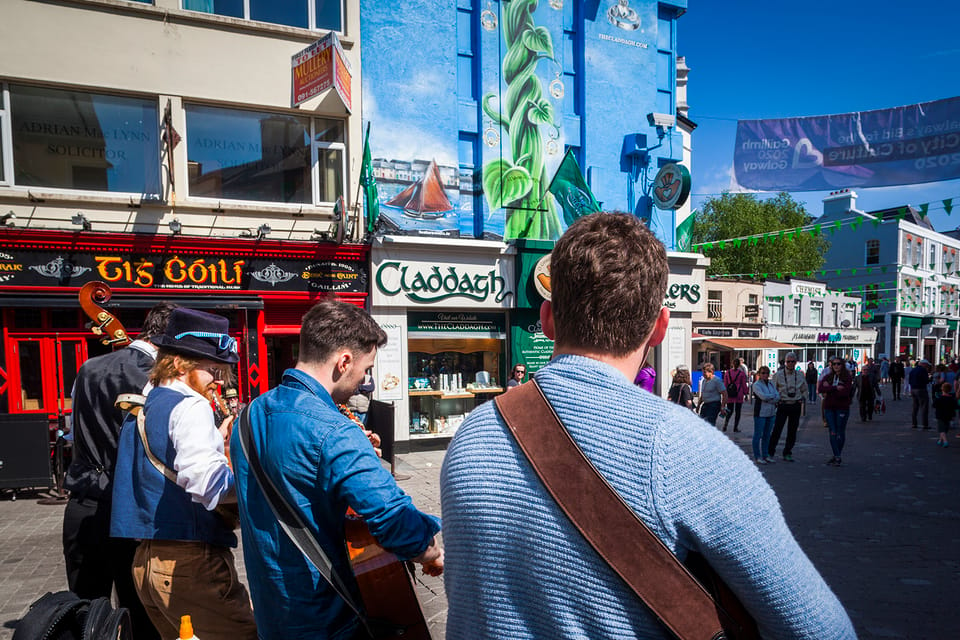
[(873, 252), (306, 14), (31, 379), (449, 377), (264, 157), (87, 141)]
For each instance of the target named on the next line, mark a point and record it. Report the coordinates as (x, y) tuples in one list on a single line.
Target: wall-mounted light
[(7, 219), (263, 231), (80, 220), (175, 227)]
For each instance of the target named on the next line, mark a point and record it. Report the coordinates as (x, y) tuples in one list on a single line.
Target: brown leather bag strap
[(611, 527)]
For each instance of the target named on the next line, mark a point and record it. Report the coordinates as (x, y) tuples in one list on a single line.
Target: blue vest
[(146, 505)]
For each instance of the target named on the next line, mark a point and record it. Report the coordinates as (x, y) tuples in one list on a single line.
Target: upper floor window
[(714, 304), (775, 312), (79, 140), (796, 312), (933, 255), (306, 14), (816, 313), (265, 157), (835, 314), (873, 252)]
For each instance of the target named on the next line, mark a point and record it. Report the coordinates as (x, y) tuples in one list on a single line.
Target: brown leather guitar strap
[(611, 527)]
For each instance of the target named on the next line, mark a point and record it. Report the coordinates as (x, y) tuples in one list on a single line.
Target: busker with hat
[(171, 475)]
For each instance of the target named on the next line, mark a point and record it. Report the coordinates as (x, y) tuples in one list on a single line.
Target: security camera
[(663, 120)]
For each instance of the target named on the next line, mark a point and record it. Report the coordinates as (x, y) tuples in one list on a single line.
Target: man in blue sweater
[(515, 565)]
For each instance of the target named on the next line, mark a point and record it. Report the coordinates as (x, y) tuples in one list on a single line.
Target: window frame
[(311, 16), (6, 149), (816, 306), (6, 138), (315, 146), (872, 252), (775, 318)]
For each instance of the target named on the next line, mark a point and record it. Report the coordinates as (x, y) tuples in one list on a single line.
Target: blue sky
[(753, 60)]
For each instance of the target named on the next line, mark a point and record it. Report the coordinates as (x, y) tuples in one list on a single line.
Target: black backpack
[(65, 616)]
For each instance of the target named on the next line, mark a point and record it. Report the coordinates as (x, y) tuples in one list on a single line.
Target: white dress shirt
[(201, 466)]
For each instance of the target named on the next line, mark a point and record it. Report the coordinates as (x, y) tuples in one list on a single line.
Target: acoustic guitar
[(386, 585)]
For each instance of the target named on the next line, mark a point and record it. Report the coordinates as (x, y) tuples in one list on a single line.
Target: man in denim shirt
[(322, 463)]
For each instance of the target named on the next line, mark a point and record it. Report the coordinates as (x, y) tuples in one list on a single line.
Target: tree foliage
[(736, 215)]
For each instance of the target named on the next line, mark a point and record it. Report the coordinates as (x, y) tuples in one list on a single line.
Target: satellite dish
[(845, 324)]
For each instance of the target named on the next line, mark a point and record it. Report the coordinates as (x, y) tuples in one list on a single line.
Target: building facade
[(814, 322), (731, 325), (177, 150), (907, 273)]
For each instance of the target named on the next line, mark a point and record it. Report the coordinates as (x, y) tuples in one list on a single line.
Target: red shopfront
[(263, 288)]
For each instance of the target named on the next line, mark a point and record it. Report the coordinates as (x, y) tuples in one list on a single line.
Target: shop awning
[(747, 344)]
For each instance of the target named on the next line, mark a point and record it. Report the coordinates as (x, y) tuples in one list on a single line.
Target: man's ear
[(344, 359), (546, 319), (659, 328)]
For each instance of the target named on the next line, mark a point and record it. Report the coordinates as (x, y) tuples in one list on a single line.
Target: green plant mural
[(520, 181)]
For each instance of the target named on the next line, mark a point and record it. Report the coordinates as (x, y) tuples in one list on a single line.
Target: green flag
[(371, 200), (685, 234), (571, 190)]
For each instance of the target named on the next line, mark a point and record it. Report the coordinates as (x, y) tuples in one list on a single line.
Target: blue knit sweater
[(516, 568)]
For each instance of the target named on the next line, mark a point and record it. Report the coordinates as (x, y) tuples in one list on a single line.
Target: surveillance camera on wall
[(664, 120)]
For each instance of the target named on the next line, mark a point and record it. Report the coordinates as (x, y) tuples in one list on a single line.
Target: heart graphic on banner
[(805, 156)]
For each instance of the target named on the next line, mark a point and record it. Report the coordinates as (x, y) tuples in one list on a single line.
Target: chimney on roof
[(840, 202)]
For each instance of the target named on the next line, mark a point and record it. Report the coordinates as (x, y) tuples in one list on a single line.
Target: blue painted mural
[(472, 104)]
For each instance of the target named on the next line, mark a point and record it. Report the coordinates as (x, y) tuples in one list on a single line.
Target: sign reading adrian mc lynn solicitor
[(903, 145)]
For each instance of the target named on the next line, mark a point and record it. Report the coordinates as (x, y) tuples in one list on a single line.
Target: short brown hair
[(706, 366), (609, 277), (332, 325)]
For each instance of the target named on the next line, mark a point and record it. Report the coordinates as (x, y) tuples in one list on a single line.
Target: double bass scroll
[(104, 324)]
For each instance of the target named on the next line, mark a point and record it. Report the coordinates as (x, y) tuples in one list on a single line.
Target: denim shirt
[(322, 463)]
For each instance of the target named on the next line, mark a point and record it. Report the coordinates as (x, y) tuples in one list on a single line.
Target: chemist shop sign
[(181, 271)]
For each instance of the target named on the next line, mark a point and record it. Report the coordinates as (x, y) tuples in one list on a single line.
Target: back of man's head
[(609, 277), (156, 321), (332, 325)]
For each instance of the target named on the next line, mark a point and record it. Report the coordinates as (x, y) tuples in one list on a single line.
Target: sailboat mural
[(424, 199)]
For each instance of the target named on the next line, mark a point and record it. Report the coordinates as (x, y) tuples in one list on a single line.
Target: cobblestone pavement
[(884, 529)]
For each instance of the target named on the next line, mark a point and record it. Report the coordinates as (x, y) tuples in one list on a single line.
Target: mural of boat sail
[(425, 198)]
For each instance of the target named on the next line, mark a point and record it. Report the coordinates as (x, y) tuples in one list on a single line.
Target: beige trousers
[(178, 577)]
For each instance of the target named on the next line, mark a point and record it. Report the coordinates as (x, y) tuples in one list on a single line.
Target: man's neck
[(319, 372), (628, 365)]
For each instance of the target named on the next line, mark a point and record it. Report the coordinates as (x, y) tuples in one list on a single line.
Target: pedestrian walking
[(766, 397), (945, 409), (810, 375), (713, 395), (837, 387), (735, 381), (919, 378), (789, 383), (681, 391), (897, 374)]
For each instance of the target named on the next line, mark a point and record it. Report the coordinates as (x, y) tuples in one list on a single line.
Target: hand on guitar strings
[(431, 560), (375, 441)]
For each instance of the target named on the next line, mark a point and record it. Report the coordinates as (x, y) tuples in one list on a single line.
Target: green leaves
[(503, 183), (540, 113), (539, 41)]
